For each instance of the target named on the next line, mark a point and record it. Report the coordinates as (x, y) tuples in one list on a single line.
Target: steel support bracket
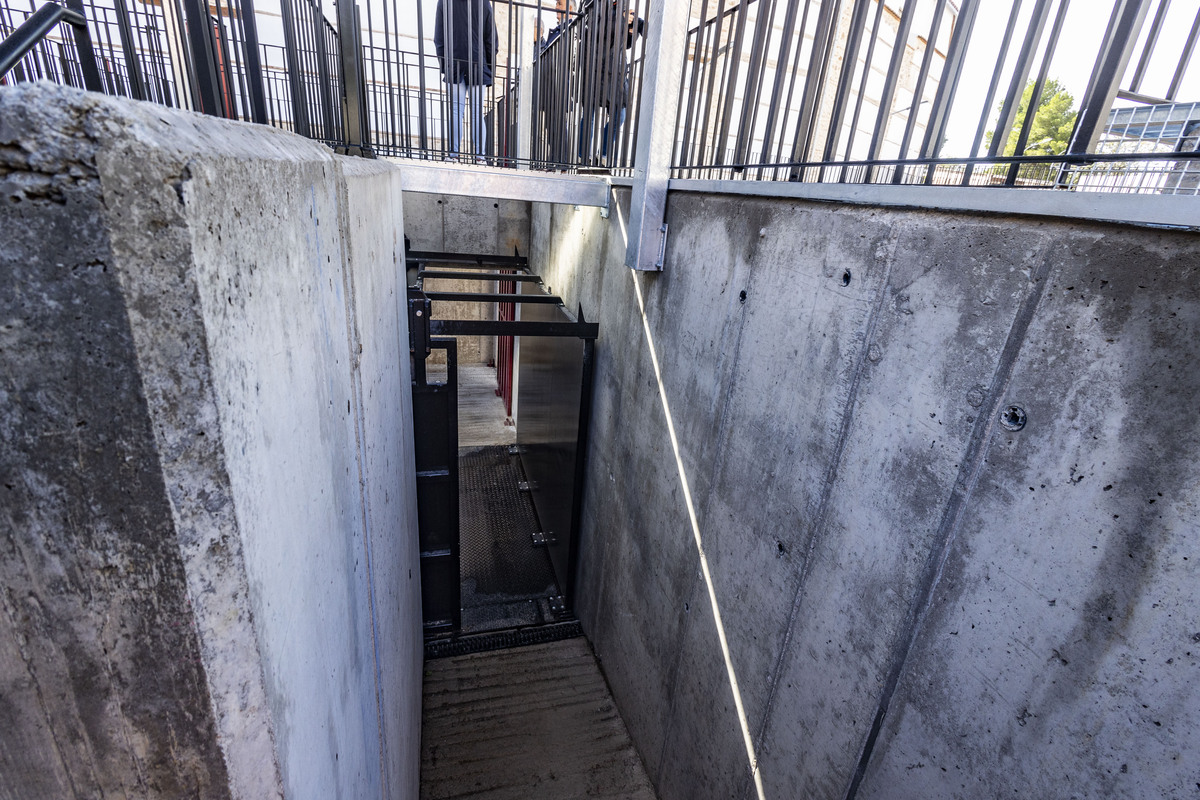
[(606, 209), (666, 50), (544, 539)]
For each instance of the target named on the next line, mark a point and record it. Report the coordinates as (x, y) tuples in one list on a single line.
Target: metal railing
[(536, 105), (179, 53), (19, 51), (929, 92), (925, 92)]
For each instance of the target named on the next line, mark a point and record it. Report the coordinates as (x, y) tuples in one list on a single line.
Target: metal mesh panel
[(506, 581), (501, 640)]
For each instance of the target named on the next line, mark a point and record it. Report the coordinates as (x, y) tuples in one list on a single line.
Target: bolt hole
[(846, 278), (495, 205), (1013, 418), (742, 296)]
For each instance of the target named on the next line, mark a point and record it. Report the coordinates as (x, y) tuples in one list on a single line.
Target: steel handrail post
[(18, 44)]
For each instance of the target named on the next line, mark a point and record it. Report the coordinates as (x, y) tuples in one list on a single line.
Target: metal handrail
[(33, 30)]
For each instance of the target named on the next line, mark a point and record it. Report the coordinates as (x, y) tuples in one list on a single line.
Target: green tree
[(1052, 124)]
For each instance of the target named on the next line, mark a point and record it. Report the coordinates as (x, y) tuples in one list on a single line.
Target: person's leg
[(586, 120), (458, 97), (611, 134), (478, 129)]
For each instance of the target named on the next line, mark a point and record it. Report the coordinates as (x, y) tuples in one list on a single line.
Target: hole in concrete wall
[(846, 278), (1013, 418), (742, 296)]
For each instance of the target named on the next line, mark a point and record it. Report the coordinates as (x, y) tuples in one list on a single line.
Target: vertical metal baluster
[(914, 108), (730, 88), (88, 66), (1185, 58), (858, 23), (468, 103), (133, 70), (254, 71), (323, 72), (422, 133), (616, 79), (710, 90), (294, 69), (314, 72), (226, 62), (203, 47), (943, 101), (448, 38), (1012, 100), (755, 73), (537, 79), (1035, 96), (888, 94), (637, 70), (1135, 84), (589, 82), (371, 120), (785, 49), (304, 54), (187, 84), (696, 48), (814, 81), (993, 85), (791, 93), (693, 47), (1124, 25)]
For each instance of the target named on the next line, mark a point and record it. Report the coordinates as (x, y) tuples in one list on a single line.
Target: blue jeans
[(585, 133), (459, 94)]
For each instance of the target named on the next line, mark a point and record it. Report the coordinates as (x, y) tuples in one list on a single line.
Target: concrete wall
[(209, 542), (461, 224), (810, 544)]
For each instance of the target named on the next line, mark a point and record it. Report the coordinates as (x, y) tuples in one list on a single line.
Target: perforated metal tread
[(507, 582), (501, 640)]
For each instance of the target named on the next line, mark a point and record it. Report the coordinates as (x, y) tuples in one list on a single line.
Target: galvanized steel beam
[(1115, 52), (422, 176), (666, 45)]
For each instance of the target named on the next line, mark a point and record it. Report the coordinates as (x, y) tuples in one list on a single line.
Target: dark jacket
[(465, 37), (603, 40)]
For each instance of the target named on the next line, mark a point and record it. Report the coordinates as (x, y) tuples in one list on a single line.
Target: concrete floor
[(531, 723), (480, 411)]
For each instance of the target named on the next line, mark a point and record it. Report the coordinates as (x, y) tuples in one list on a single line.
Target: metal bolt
[(420, 313)]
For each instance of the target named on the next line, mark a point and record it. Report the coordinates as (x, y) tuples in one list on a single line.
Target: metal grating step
[(507, 581), (501, 640)]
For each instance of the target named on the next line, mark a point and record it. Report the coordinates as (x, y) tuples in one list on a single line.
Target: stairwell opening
[(499, 448)]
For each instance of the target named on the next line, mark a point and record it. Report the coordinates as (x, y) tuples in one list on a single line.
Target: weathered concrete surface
[(879, 548), (459, 224), (249, 281), (531, 722), (102, 687)]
